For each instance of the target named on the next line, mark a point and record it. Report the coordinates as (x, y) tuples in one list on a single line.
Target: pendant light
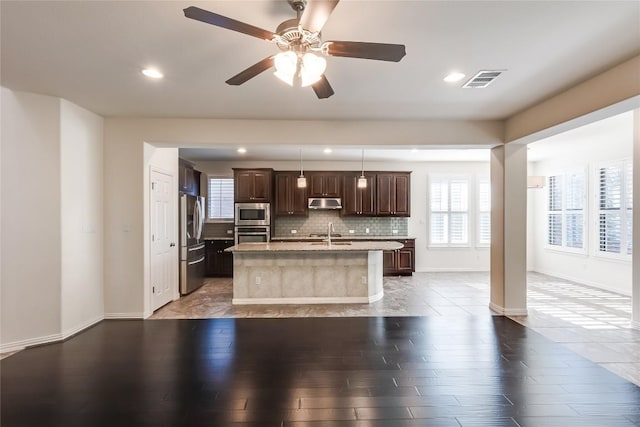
[(362, 181), (302, 181)]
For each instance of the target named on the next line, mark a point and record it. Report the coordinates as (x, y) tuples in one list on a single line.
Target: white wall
[(427, 259), (82, 300), (581, 149), (30, 193)]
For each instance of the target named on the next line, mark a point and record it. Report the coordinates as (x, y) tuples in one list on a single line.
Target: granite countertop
[(315, 246), (342, 237)]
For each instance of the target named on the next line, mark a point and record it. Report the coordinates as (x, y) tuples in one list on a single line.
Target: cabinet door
[(243, 186), (195, 182), (323, 184), (261, 186), (283, 191), (402, 193), (384, 194), (358, 201), (405, 260), (289, 199), (388, 262), (350, 200), (332, 184)]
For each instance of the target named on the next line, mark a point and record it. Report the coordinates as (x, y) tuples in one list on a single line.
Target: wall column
[(509, 230), (635, 257)]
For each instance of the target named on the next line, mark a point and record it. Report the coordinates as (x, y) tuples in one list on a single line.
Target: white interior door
[(163, 245)]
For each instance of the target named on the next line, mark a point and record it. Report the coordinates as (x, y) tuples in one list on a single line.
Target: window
[(565, 214), (220, 198), (484, 212), (615, 203), (449, 225)]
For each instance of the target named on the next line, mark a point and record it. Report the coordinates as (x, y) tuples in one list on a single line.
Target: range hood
[(325, 203)]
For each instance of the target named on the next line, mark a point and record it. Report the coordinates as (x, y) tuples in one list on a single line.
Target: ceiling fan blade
[(316, 13), (366, 50), (228, 23), (322, 88), (251, 72)]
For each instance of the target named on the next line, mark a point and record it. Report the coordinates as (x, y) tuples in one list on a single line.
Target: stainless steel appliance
[(325, 203), (253, 234), (192, 251), (253, 214)]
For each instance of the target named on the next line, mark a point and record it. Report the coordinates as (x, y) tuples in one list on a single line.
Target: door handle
[(171, 244)]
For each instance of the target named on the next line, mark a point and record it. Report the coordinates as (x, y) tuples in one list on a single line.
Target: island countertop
[(338, 246)]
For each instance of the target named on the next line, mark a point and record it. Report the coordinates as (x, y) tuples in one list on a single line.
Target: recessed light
[(152, 73), (242, 150), (454, 77), (328, 151)]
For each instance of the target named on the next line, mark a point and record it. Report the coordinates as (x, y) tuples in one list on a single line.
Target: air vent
[(482, 79)]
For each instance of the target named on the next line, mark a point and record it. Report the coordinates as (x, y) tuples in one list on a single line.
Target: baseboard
[(308, 300), (582, 282), (507, 311), (136, 315), (77, 329), (48, 339), (30, 342)]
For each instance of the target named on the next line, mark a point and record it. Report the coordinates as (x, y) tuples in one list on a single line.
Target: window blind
[(565, 216), (614, 219), (628, 188), (449, 205), (484, 212), (554, 217), (220, 198)]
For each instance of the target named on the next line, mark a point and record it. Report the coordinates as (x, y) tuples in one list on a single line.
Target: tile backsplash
[(218, 229), (317, 222)]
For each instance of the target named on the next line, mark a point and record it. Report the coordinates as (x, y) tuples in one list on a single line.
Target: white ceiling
[(91, 53)]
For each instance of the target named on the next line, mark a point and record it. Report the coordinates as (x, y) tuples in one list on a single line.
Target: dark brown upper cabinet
[(290, 200), (393, 197), (188, 178), (358, 201), (252, 185), (324, 184)]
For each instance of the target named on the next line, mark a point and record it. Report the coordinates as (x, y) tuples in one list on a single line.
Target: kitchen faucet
[(329, 230)]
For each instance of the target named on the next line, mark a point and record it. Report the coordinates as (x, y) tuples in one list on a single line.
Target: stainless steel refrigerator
[(192, 251)]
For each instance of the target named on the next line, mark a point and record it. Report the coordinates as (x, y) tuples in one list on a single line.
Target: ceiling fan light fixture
[(308, 67), (312, 68), (286, 64)]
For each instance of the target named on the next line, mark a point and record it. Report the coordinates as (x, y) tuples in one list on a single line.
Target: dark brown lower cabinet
[(400, 261), (219, 262)]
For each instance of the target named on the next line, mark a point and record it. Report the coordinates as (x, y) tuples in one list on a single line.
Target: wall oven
[(253, 234), (253, 214)]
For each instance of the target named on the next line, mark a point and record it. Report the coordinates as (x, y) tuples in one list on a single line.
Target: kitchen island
[(308, 272)]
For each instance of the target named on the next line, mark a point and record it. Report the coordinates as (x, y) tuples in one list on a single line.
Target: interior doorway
[(163, 222)]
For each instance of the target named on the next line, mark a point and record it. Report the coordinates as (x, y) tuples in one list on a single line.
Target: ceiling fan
[(300, 42)]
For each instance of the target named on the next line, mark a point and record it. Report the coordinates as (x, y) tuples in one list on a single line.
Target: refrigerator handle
[(199, 220)]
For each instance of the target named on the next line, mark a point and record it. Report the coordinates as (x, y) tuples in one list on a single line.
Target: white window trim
[(216, 220), (563, 212), (610, 256), (470, 226)]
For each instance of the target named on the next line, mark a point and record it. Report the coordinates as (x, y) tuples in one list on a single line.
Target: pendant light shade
[(362, 180), (302, 181)]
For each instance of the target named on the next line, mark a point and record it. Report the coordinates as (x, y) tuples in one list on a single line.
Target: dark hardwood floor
[(376, 371)]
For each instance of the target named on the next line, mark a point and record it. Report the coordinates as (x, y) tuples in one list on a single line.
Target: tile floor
[(591, 322)]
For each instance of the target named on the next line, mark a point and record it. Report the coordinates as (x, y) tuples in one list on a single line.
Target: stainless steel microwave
[(253, 214)]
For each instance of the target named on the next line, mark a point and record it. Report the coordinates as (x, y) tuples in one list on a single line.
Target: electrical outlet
[(258, 280), (366, 230), (394, 231), (352, 231), (229, 231), (294, 231)]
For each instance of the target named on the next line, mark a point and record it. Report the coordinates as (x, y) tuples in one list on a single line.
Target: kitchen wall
[(580, 150), (317, 222), (428, 258), (51, 224)]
